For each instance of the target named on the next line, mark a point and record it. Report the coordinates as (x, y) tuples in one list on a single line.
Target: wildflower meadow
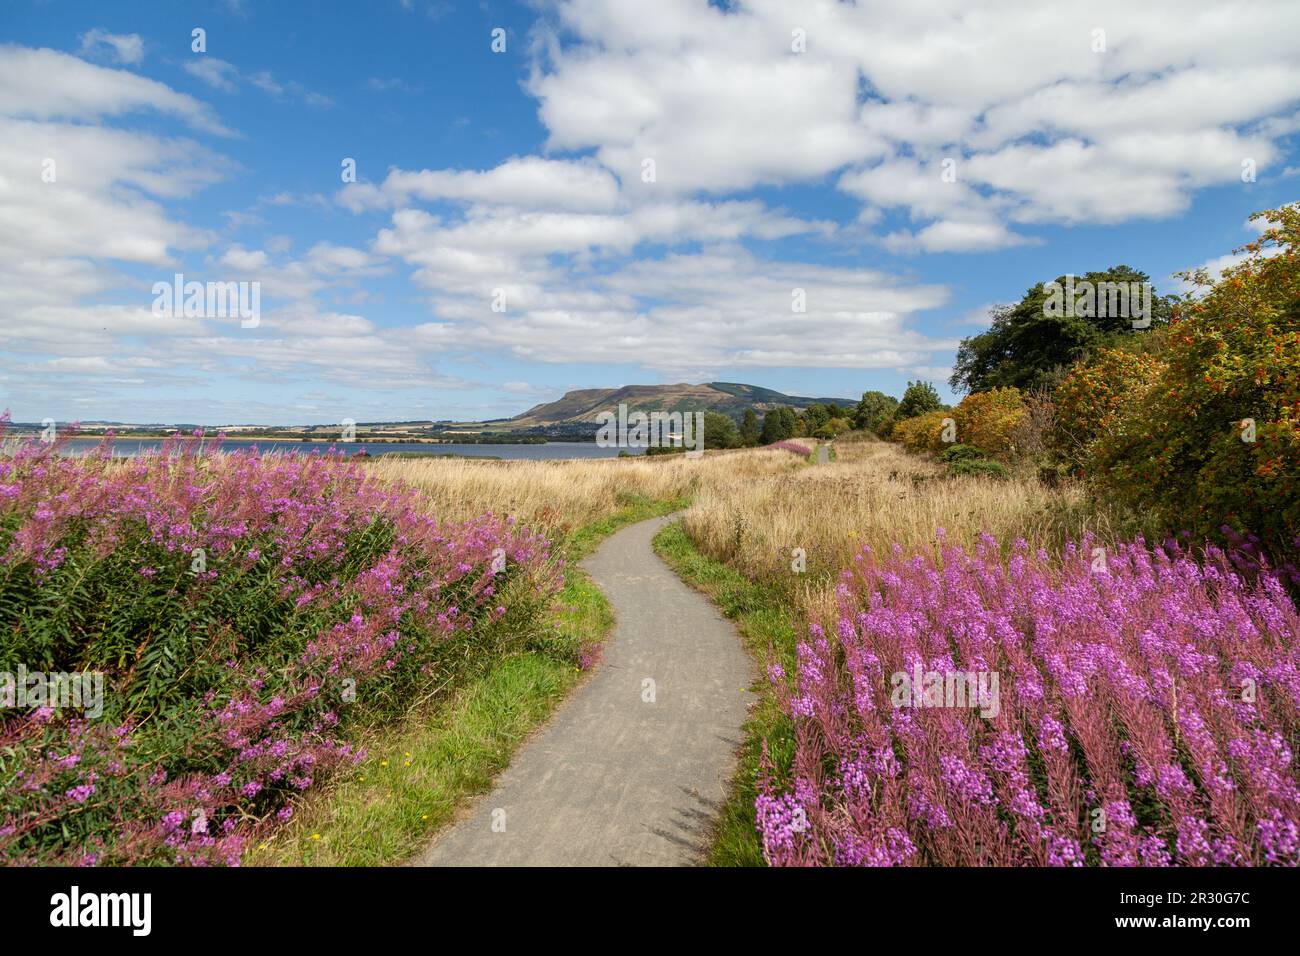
[(247, 615), (1131, 706)]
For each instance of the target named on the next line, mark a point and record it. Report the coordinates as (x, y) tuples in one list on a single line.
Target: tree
[(919, 398), (815, 416), (719, 431), (1032, 343), (873, 409), (749, 430), (778, 425)]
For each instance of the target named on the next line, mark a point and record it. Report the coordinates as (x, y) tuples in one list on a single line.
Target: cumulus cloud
[(940, 131), (1048, 121), (86, 228), (693, 312)]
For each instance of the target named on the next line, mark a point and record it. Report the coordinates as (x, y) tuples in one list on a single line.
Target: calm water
[(555, 449)]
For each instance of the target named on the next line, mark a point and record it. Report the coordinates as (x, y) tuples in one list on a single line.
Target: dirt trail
[(633, 767)]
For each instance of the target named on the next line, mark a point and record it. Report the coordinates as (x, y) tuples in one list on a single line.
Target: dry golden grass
[(559, 495), (874, 494), (751, 509)]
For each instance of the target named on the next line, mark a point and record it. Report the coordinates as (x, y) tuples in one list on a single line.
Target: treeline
[(778, 424), (1190, 412)]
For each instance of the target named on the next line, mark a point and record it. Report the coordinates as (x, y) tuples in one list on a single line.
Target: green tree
[(719, 431), (919, 398), (814, 417), (749, 429), (1032, 343), (778, 425), (872, 409)]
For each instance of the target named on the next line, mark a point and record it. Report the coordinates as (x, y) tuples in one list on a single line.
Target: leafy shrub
[(989, 419), (1095, 395), (922, 432), (960, 452), (248, 615), (976, 466), (1216, 440), (1118, 691)]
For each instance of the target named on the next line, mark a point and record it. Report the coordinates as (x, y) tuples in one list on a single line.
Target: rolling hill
[(729, 398)]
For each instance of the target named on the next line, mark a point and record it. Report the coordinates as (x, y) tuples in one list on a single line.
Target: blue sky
[(794, 147)]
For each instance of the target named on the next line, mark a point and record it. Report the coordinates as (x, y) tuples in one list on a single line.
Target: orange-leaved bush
[(1216, 441), (1094, 397), (922, 432), (988, 420)]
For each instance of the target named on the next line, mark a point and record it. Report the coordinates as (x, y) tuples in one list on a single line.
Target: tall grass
[(876, 494), (557, 497)]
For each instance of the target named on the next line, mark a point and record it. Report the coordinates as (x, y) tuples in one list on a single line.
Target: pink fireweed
[(791, 446), (249, 615), (1146, 710)]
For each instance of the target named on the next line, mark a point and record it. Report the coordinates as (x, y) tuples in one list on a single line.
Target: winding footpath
[(633, 767)]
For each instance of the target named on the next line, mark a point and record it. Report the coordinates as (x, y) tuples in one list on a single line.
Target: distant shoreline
[(322, 441)]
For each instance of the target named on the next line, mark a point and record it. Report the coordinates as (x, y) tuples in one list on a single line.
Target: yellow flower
[(262, 846), (383, 763), (315, 836)]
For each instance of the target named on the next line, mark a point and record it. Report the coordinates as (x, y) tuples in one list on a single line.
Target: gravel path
[(633, 767)]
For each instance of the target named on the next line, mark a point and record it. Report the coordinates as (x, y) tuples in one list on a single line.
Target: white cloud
[(46, 84), (529, 182), (1044, 129), (691, 313), (217, 73), (226, 77), (124, 48)]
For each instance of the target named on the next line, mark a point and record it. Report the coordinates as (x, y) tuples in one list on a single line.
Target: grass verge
[(766, 624), (420, 772)]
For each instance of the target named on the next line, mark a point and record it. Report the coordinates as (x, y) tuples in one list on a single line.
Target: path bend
[(614, 779)]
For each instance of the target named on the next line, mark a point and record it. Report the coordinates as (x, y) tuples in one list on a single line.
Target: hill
[(729, 398)]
